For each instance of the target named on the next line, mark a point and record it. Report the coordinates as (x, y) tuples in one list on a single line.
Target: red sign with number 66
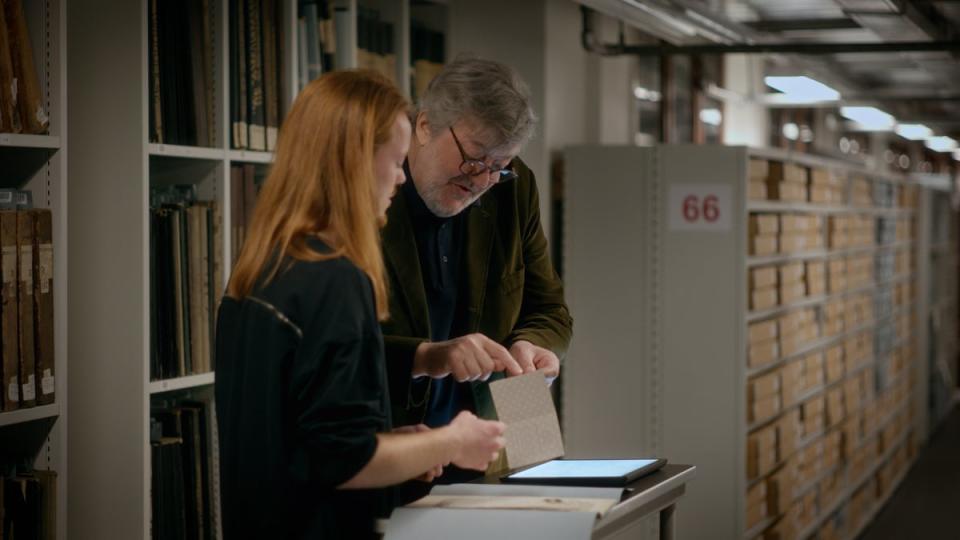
[(699, 207)]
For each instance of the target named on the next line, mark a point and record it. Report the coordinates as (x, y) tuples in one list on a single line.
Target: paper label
[(26, 266), (47, 383), (45, 267), (9, 264), (30, 389), (13, 390)]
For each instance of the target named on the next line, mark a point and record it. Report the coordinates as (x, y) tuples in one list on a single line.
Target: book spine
[(43, 303), (28, 367), (156, 113), (255, 109), (10, 314), (241, 126), (9, 114), (270, 75), (32, 115)]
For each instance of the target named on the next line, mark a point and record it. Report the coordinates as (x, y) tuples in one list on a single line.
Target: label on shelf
[(47, 383), (700, 207), (13, 390), (30, 389)]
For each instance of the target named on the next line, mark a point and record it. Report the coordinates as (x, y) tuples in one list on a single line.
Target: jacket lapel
[(400, 250)]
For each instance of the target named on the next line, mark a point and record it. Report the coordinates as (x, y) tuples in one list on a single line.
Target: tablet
[(586, 472)]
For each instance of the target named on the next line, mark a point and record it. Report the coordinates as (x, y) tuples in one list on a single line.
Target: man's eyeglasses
[(473, 167)]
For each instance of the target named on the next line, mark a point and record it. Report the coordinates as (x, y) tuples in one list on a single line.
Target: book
[(194, 288), (43, 304), (182, 344), (241, 125), (33, 117), (47, 481), (9, 113), (236, 212), (167, 489), (9, 315), (198, 67), (181, 62), (156, 113), (271, 75), (28, 366), (186, 280), (256, 114)]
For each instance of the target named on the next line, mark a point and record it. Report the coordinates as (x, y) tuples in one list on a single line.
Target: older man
[(473, 294)]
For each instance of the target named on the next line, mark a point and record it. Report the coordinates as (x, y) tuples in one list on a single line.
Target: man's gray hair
[(485, 90)]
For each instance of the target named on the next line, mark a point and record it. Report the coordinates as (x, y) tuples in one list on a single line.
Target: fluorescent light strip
[(869, 118), (914, 132), (712, 117), (941, 144), (802, 89)]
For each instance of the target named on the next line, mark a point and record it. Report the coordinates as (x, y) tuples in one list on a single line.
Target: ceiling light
[(914, 132), (712, 117), (941, 144), (802, 89), (869, 118)]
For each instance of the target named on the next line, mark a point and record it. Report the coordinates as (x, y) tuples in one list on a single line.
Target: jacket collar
[(400, 249)]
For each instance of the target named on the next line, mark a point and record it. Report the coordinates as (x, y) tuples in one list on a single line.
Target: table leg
[(666, 522)]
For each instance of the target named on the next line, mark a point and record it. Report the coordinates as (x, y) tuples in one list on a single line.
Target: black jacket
[(300, 394)]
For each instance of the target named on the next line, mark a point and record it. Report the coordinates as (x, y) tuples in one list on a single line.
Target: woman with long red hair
[(302, 403)]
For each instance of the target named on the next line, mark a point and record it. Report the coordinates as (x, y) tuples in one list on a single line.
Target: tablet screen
[(584, 468)]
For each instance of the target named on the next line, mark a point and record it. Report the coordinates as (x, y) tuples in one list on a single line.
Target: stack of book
[(375, 46), (245, 182), (257, 85), (316, 40), (185, 282), (182, 44), (26, 288), (184, 471), (21, 107), (427, 53), (28, 506)]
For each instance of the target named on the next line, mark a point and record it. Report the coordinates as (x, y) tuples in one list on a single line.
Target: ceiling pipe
[(592, 43)]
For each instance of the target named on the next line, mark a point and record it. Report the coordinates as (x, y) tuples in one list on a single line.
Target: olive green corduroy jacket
[(510, 290)]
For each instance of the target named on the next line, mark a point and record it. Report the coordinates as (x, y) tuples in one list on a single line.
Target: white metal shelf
[(811, 529), (817, 300), (825, 162), (814, 208), (190, 152), (18, 140), (250, 156), (181, 383), (20, 416), (761, 260)]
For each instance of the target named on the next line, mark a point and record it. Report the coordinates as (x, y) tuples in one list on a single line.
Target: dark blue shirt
[(439, 242)]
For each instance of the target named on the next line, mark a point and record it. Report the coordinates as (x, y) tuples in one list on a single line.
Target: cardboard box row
[(772, 244), (771, 339), (772, 444), (860, 192)]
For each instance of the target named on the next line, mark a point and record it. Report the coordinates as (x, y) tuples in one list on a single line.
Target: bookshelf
[(38, 163), (117, 165), (798, 360)]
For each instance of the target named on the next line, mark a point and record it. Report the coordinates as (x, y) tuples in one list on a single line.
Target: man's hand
[(467, 358), (533, 358), (432, 473)]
